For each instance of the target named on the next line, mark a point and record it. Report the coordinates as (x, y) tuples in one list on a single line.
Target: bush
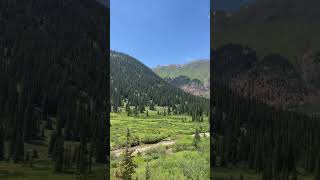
[(152, 139)]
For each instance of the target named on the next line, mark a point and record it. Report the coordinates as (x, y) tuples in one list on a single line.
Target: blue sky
[(161, 32)]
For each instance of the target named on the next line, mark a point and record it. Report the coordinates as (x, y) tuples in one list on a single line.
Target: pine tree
[(101, 143), (152, 106), (135, 111), (317, 170), (58, 151), (52, 142), (148, 172), (196, 138), (294, 175), (127, 165), (241, 177), (1, 143)]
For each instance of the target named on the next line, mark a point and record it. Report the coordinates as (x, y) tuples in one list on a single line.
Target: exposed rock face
[(192, 86)]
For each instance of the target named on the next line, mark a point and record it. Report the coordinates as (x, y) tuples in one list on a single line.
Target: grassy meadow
[(178, 160)]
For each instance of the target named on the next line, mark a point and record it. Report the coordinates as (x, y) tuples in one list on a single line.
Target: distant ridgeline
[(192, 77), (53, 75), (135, 83), (198, 69), (253, 125)]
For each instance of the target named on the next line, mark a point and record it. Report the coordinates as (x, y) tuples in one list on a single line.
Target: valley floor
[(165, 142)]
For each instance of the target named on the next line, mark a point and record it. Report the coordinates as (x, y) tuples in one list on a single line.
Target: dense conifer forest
[(249, 133), (137, 85), (54, 85)]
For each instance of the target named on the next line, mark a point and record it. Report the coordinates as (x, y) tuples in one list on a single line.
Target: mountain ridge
[(128, 74), (176, 75)]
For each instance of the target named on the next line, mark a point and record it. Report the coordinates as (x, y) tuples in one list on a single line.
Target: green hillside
[(134, 82), (199, 69)]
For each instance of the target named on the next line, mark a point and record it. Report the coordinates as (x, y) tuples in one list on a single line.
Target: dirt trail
[(145, 147)]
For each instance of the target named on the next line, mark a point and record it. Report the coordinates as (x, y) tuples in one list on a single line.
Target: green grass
[(151, 129), (188, 163), (194, 70), (178, 161)]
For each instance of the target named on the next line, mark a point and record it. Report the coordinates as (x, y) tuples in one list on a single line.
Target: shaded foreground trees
[(256, 131), (273, 141), (53, 77)]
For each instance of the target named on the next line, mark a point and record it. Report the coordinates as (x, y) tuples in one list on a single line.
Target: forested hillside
[(253, 125), (53, 64), (271, 79), (255, 137), (132, 81)]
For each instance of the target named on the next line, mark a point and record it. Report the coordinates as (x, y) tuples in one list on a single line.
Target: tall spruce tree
[(127, 165), (1, 143), (196, 138), (148, 171)]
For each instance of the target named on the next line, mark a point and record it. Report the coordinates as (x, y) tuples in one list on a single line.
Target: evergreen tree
[(152, 108), (148, 171), (127, 165), (52, 142), (135, 111), (317, 170), (294, 175), (58, 151), (101, 142), (241, 177), (196, 138), (1, 143)]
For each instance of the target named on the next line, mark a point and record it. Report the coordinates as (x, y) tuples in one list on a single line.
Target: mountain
[(288, 27), (199, 69), (192, 86), (284, 30), (192, 77), (105, 2), (134, 82), (230, 5), (271, 79)]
